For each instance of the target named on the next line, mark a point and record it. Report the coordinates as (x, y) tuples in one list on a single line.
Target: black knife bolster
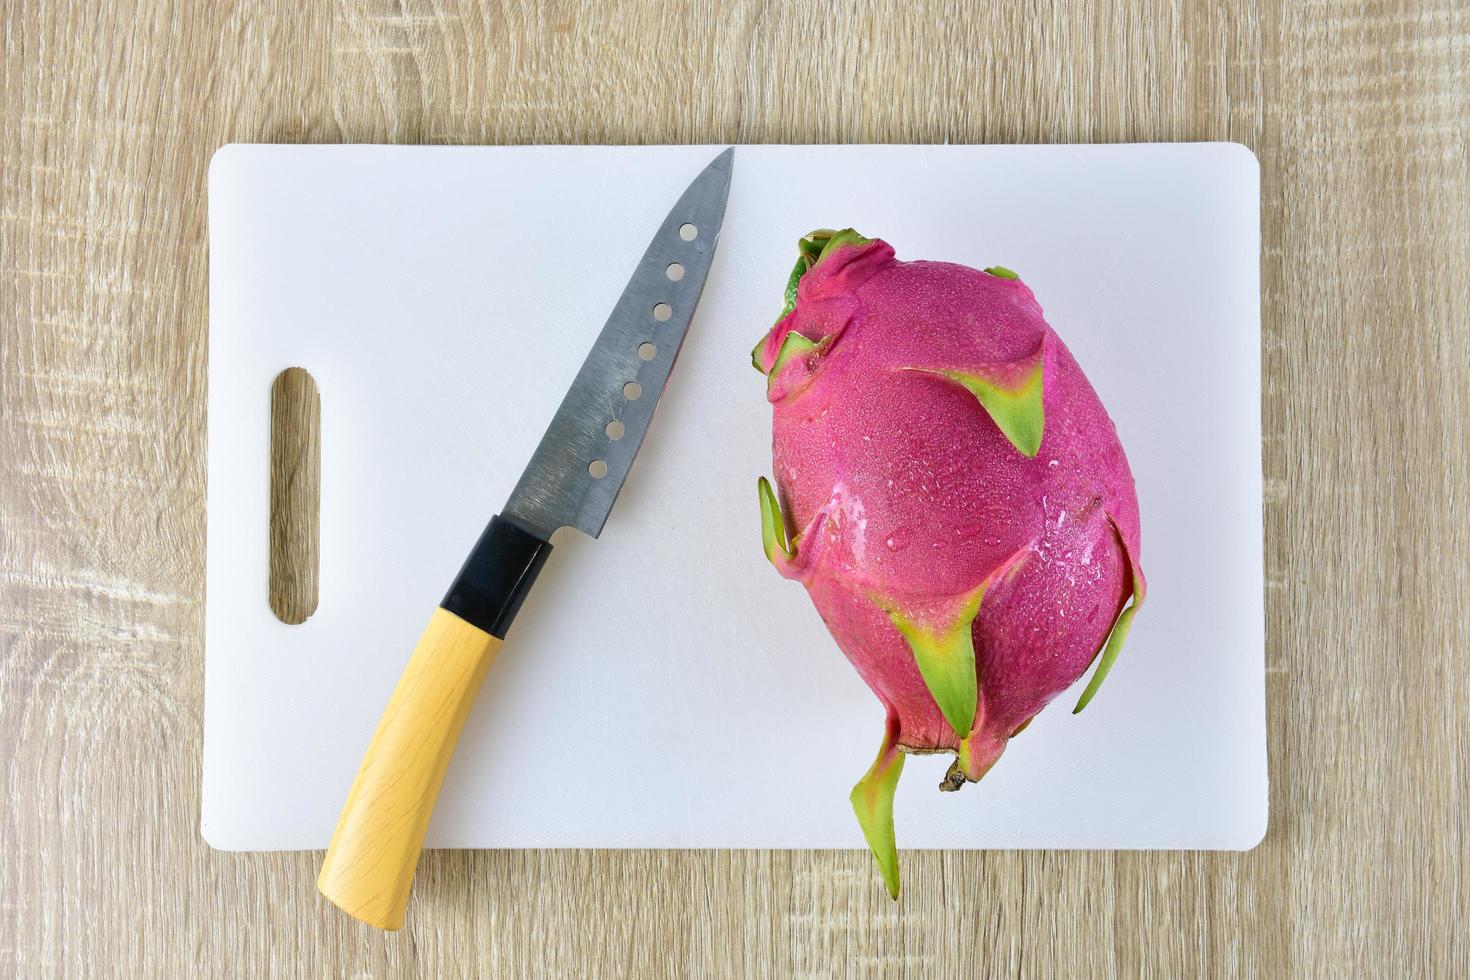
[(493, 583)]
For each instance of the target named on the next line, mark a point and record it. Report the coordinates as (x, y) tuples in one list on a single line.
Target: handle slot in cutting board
[(295, 476)]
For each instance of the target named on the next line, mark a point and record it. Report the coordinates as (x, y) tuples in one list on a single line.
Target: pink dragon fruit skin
[(953, 496)]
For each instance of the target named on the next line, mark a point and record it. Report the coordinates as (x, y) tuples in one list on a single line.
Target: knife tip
[(725, 160)]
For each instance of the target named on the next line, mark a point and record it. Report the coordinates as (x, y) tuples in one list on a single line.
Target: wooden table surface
[(1359, 113)]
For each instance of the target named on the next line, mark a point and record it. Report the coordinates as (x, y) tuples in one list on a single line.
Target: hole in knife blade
[(615, 430), (675, 271), (632, 391), (687, 232), (597, 468), (647, 351), (662, 312)]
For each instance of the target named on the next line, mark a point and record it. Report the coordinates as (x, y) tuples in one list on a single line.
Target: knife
[(572, 481)]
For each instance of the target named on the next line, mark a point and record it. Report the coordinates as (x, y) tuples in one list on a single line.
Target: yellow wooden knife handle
[(370, 864)]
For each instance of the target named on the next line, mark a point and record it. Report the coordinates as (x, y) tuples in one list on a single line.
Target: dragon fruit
[(952, 495)]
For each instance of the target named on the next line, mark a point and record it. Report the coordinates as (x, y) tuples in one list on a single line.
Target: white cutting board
[(663, 686)]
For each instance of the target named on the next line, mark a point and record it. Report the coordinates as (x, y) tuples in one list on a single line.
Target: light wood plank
[(1359, 113)]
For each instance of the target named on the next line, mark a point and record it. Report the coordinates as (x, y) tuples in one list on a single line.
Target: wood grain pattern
[(1359, 112), (294, 575)]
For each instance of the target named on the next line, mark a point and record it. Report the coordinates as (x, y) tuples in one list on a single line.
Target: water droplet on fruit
[(898, 540)]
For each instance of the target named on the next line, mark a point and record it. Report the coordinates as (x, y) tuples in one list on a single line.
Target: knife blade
[(572, 480), (642, 338)]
